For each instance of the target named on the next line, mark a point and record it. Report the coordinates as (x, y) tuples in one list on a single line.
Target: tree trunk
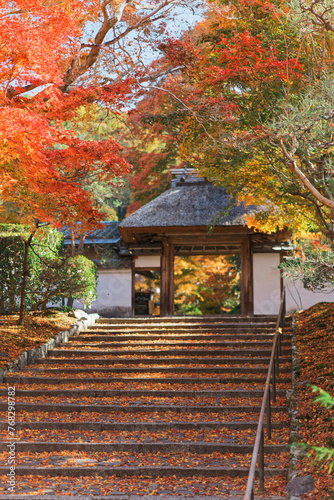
[(25, 274), (81, 243), (72, 243), (70, 300)]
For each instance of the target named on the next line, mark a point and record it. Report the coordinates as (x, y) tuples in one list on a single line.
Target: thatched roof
[(191, 204)]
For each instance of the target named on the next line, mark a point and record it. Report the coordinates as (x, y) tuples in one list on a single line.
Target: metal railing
[(273, 372)]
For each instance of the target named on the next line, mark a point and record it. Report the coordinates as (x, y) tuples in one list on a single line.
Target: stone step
[(166, 448), (195, 325), (124, 338), (99, 456), (188, 324), (204, 436), (153, 471), (50, 370), (235, 393), (159, 401), (114, 414), (71, 378), (88, 408), (139, 426), (204, 325), (195, 319), (189, 318), (219, 383), (237, 328), (157, 415), (175, 352), (224, 495), (159, 361), (79, 344)]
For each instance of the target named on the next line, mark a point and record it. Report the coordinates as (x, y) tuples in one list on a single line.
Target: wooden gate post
[(247, 301), (167, 279), (133, 289)]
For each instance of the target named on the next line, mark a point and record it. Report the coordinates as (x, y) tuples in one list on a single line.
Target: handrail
[(273, 370)]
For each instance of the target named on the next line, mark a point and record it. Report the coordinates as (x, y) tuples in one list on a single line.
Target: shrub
[(52, 276)]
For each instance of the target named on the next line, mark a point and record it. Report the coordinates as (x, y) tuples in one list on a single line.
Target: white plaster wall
[(149, 261), (113, 292), (266, 282), (297, 297)]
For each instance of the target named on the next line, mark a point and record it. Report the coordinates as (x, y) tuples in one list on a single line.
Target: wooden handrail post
[(273, 382), (261, 463), (268, 416), (277, 358)]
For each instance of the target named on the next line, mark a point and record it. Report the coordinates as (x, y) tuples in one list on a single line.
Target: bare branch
[(75, 71), (318, 13), (305, 181)]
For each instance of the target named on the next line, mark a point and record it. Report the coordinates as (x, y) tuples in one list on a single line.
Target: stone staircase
[(161, 407)]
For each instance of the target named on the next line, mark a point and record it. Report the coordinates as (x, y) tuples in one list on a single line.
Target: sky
[(183, 18)]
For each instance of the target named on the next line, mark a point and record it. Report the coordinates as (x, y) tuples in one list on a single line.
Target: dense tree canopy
[(57, 58), (253, 97), (59, 62), (207, 284)]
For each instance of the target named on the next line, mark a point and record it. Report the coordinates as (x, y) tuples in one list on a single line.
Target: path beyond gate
[(164, 408)]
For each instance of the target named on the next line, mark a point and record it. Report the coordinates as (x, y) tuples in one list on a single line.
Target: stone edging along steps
[(29, 357)]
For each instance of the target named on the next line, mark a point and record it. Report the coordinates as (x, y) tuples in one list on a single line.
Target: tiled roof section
[(191, 204), (108, 234)]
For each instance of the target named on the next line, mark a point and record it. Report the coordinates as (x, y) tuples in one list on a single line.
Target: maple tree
[(249, 95), (50, 67), (152, 147), (111, 196), (207, 284)]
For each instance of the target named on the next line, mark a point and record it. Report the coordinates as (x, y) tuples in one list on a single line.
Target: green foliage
[(11, 258), (74, 277), (189, 309), (52, 276), (322, 453), (44, 251), (79, 279), (313, 264), (111, 199), (323, 398)]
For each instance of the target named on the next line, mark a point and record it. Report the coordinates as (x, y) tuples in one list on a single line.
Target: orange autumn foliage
[(315, 343), (207, 284), (44, 167)]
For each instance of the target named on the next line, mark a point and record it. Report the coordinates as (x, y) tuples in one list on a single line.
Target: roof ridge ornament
[(185, 175)]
